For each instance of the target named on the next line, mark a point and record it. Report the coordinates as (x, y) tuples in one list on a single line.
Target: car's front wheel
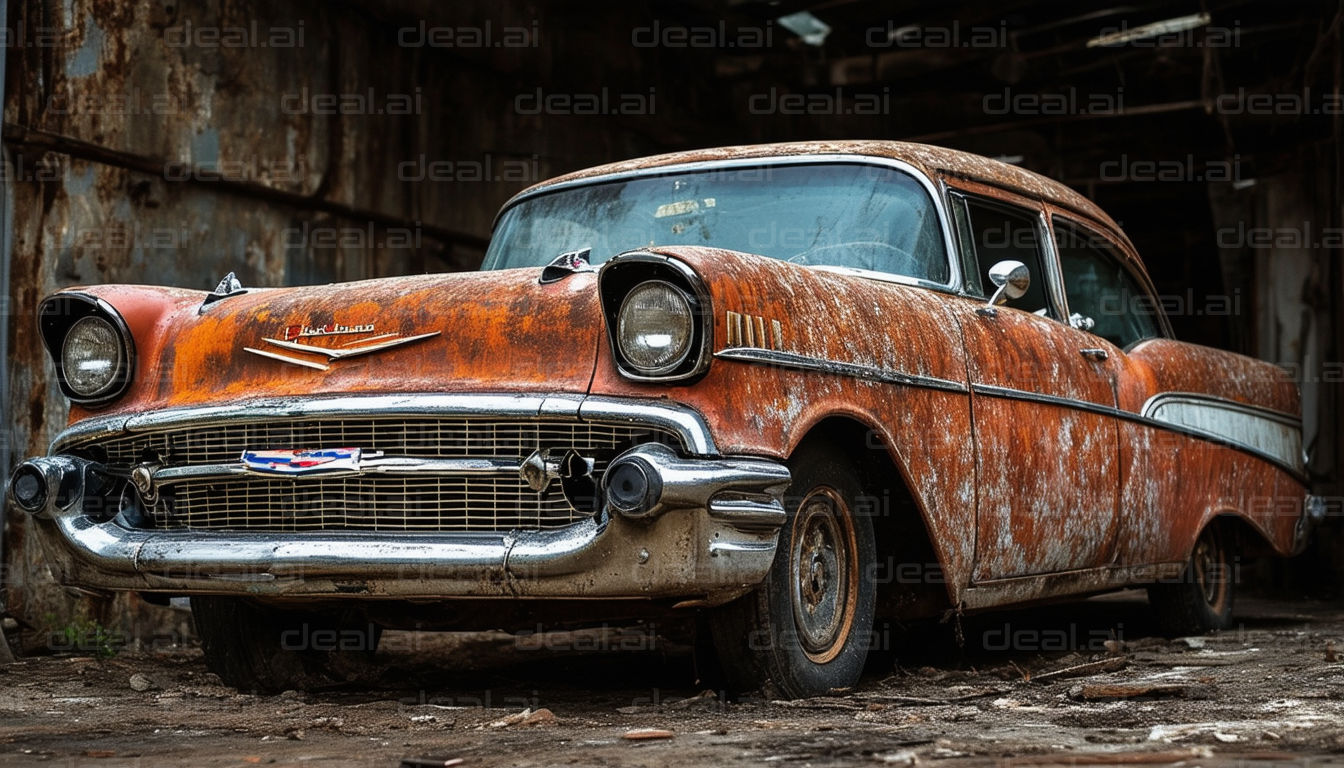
[(258, 648), (806, 630), (1202, 600)]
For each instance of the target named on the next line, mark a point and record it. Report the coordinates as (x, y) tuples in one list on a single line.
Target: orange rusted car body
[(1037, 455)]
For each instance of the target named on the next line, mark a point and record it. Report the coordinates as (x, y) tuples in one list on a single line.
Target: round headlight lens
[(655, 327), (92, 356)]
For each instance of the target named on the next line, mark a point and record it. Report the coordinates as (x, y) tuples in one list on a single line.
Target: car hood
[(491, 332)]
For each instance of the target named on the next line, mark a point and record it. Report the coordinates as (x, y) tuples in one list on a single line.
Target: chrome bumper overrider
[(705, 533)]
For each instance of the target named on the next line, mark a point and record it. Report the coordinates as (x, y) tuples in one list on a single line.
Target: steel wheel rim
[(1209, 575), (823, 578)]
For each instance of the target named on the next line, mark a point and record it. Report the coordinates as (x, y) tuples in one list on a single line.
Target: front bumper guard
[(708, 537)]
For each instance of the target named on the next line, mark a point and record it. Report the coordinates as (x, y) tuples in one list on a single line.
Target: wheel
[(806, 630), (264, 649), (1202, 600)]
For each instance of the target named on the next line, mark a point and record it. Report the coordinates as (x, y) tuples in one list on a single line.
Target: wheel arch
[(913, 577), (1247, 537)]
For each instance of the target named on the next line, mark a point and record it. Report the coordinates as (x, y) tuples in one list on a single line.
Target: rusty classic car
[(789, 390)]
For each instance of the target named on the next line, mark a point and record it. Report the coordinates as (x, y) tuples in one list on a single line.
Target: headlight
[(655, 327), (92, 356), (657, 312)]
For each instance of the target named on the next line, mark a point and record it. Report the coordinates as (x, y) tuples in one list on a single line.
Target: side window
[(1098, 287), (1000, 233)]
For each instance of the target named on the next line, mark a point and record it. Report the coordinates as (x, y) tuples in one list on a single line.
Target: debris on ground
[(430, 762), (1080, 670), (1112, 692), (142, 683), (1264, 692), (641, 734)]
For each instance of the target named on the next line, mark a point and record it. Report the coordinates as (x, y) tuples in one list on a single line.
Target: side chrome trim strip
[(822, 365), (684, 421), (1288, 465), (991, 390), (871, 373)]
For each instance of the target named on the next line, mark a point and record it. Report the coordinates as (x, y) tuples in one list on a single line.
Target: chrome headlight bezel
[(620, 277), (58, 315)]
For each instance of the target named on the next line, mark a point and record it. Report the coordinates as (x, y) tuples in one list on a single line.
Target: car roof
[(933, 161)]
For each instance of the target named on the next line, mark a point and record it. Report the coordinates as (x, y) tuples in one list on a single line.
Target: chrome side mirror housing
[(1012, 279)]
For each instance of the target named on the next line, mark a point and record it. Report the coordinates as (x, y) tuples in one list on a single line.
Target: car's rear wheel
[(806, 630), (265, 649), (1202, 600)]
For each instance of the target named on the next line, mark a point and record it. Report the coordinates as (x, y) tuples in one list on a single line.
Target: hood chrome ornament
[(349, 349), (566, 264), (229, 286)]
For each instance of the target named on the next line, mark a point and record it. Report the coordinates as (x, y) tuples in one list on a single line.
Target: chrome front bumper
[(705, 534)]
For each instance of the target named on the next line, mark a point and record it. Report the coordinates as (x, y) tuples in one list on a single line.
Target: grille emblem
[(302, 462)]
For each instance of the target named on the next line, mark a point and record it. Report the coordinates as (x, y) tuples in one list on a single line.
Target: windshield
[(841, 214)]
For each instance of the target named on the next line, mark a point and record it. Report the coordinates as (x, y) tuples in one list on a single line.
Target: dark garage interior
[(169, 142)]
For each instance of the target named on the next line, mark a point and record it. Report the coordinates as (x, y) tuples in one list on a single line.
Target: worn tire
[(262, 649), (806, 630), (1202, 600)]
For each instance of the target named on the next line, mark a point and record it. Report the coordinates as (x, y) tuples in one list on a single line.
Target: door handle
[(1094, 354)]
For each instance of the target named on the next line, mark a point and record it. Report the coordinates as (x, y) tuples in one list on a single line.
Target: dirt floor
[(1080, 684)]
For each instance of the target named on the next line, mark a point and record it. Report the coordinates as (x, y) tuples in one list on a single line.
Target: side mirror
[(1082, 322), (1012, 279)]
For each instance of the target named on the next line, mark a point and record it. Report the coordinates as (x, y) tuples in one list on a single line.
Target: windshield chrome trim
[(930, 188)]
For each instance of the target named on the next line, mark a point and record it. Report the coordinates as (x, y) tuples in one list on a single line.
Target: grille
[(370, 502)]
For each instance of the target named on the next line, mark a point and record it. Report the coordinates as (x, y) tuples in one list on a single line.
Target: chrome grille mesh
[(370, 502)]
